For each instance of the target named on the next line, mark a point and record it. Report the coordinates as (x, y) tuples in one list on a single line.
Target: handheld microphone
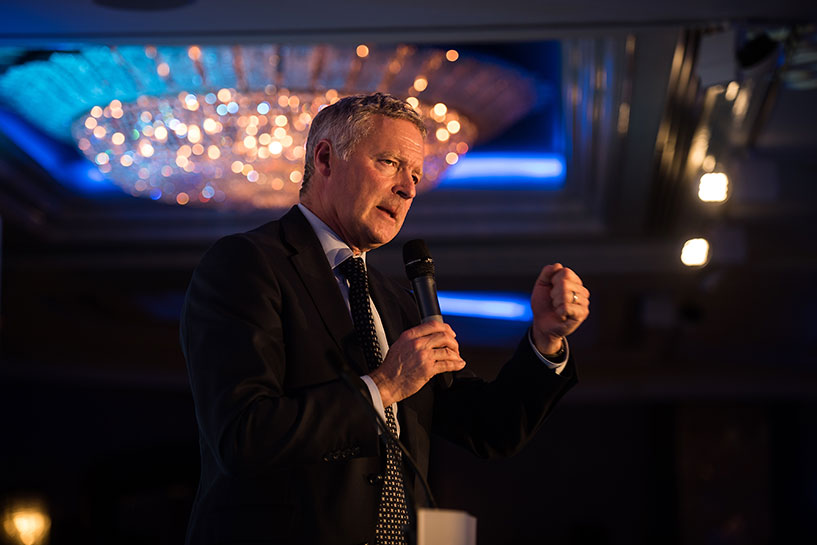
[(420, 271)]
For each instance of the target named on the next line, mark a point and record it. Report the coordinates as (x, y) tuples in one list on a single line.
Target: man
[(290, 453)]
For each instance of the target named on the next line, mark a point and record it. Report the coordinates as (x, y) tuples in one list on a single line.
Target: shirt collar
[(334, 248)]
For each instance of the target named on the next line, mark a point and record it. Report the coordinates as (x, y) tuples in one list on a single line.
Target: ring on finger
[(575, 297)]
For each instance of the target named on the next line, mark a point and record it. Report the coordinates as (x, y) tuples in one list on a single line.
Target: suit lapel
[(311, 265)]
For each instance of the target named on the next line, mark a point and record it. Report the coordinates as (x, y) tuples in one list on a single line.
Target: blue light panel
[(506, 171), (495, 306), (61, 163)]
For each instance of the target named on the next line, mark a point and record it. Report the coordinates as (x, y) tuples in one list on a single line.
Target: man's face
[(368, 195)]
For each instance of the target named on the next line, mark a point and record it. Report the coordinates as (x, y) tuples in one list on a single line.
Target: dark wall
[(99, 422), (120, 465)]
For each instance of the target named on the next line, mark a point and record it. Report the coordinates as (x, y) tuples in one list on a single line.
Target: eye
[(389, 162)]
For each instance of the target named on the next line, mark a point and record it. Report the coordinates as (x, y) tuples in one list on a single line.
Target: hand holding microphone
[(425, 350)]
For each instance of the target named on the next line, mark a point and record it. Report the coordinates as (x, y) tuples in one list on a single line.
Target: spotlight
[(695, 252), (714, 187), (26, 522)]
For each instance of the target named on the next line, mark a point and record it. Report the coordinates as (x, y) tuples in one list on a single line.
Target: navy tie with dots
[(392, 514)]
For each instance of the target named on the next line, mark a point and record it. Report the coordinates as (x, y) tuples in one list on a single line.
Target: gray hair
[(348, 120)]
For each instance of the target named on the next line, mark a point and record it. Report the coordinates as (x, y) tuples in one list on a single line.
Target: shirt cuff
[(557, 367), (377, 401)]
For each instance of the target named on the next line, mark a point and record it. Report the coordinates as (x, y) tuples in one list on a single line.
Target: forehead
[(396, 135)]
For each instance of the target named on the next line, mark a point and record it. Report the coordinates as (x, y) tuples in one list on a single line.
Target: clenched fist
[(560, 303)]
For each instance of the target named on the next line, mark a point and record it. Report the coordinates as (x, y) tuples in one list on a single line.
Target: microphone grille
[(417, 259)]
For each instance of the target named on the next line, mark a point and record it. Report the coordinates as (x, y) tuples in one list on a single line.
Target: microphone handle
[(425, 293)]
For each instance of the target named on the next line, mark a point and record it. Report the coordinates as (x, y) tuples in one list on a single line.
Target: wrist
[(382, 386), (559, 355), (550, 346)]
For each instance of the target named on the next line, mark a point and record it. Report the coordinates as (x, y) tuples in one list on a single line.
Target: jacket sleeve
[(496, 419), (234, 340)]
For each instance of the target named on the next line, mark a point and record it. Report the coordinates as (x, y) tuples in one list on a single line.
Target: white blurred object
[(445, 527)]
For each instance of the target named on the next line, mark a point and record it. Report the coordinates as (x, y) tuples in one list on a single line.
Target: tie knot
[(352, 268)]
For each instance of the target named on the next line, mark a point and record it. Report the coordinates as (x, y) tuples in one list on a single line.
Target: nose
[(405, 187)]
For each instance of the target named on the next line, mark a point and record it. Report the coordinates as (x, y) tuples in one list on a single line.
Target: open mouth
[(391, 214)]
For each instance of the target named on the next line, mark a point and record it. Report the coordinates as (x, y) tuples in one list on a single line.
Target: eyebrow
[(401, 159)]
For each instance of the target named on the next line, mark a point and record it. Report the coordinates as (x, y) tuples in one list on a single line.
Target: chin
[(382, 236), (378, 241)]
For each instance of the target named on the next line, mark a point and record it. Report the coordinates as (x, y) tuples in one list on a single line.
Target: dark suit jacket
[(289, 452)]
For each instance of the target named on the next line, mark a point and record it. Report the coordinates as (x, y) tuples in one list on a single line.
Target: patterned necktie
[(392, 514)]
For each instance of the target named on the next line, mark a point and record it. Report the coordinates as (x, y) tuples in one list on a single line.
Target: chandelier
[(226, 126)]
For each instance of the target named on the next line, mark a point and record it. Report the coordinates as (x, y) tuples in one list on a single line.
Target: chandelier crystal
[(226, 126), (229, 147)]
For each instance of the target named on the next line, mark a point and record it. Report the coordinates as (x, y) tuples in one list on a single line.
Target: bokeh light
[(695, 252), (713, 187)]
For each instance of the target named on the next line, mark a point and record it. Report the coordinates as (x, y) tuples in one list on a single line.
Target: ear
[(323, 155)]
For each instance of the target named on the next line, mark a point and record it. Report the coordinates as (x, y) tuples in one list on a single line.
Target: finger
[(564, 289), (428, 328), (445, 353), (576, 295), (565, 277), (568, 313), (571, 276), (568, 277), (562, 295), (450, 364), (561, 311), (547, 273), (568, 306), (438, 340), (578, 311)]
